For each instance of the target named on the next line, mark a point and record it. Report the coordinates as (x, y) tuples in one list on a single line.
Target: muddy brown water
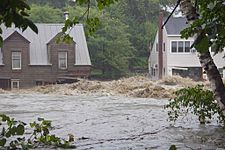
[(111, 123)]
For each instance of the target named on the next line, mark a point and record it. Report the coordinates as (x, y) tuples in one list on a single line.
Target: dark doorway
[(5, 83)]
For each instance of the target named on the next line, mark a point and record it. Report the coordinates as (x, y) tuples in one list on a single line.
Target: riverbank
[(137, 86)]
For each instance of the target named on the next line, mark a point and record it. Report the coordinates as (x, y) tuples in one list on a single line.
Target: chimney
[(160, 41), (66, 15)]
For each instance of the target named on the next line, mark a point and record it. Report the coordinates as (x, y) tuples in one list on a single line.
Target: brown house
[(28, 59)]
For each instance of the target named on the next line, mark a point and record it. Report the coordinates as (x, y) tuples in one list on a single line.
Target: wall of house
[(180, 59), (153, 58), (29, 75), (72, 69), (15, 43), (188, 60), (165, 51)]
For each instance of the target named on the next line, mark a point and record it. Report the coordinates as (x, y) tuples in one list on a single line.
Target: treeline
[(120, 45)]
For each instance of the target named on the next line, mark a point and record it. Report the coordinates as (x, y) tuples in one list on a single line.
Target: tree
[(53, 3), (110, 47), (15, 12), (209, 30), (45, 14)]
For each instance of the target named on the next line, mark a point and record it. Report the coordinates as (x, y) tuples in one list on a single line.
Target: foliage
[(52, 3), (12, 135), (45, 14), (212, 23), (14, 12), (173, 147), (110, 47), (196, 100), (136, 21)]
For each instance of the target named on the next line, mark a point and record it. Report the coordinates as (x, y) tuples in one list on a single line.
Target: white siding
[(181, 59), (153, 58)]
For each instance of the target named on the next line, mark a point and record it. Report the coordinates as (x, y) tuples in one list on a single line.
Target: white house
[(171, 55)]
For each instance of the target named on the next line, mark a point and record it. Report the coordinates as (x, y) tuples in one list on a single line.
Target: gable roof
[(16, 33), (175, 25), (46, 32)]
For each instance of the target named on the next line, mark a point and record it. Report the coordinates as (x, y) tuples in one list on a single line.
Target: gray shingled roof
[(38, 47), (175, 25)]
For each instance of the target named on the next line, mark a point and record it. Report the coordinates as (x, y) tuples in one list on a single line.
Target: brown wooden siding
[(29, 75)]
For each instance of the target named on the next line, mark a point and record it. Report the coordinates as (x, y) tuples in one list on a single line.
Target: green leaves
[(15, 12), (20, 129), (92, 24), (173, 147), (210, 27), (195, 100), (201, 43), (12, 134), (2, 142)]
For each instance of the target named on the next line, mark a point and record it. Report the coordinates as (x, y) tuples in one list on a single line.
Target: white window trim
[(66, 60), (180, 53), (20, 61), (17, 81)]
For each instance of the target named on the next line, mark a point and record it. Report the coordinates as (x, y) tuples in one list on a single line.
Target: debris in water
[(137, 86)]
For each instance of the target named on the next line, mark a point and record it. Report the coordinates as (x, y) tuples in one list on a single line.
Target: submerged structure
[(28, 59), (171, 55)]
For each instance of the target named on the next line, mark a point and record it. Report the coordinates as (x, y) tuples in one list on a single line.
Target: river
[(110, 122)]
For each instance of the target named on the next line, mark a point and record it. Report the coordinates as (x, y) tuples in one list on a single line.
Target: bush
[(12, 135), (196, 100)]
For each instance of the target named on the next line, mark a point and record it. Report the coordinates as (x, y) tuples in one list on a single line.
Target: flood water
[(110, 123)]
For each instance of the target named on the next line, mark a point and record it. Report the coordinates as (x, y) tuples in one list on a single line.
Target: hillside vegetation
[(120, 46)]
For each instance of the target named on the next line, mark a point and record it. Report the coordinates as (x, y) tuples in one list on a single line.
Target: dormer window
[(62, 60), (16, 60)]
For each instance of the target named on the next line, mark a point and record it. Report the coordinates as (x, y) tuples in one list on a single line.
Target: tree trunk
[(205, 58)]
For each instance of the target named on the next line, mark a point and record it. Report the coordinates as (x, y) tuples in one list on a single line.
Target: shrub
[(196, 100), (12, 135)]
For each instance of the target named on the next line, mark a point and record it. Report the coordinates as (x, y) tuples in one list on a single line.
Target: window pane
[(174, 47), (16, 60), (15, 84), (180, 46), (62, 60), (187, 46), (16, 63)]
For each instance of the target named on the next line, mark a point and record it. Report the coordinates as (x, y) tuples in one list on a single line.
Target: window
[(62, 57), (180, 46), (15, 84), (153, 71), (187, 46), (164, 46), (16, 60), (174, 47)]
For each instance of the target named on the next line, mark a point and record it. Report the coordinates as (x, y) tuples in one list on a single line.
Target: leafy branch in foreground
[(12, 135), (195, 100)]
